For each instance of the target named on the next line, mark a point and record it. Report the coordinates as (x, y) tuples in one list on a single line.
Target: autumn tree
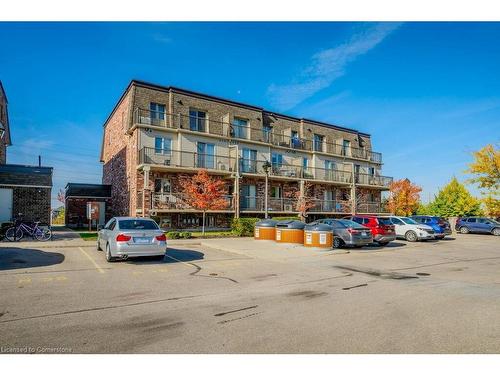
[(486, 168), (404, 197), (491, 206), (61, 196), (203, 192), (455, 200)]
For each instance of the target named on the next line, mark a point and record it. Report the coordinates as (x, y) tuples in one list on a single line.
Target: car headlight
[(422, 228)]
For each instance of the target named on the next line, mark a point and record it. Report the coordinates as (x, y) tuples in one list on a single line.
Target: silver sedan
[(126, 237)]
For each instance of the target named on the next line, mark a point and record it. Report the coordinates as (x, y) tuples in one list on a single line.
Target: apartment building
[(156, 134)]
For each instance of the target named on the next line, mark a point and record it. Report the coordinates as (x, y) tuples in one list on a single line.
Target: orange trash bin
[(318, 235), (291, 231), (265, 230)]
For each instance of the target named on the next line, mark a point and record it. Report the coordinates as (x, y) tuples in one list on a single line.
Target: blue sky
[(429, 93)]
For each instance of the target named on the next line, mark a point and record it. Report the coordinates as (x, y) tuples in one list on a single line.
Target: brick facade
[(32, 202), (132, 127)]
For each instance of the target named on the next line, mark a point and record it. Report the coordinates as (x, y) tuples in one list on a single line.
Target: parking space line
[(97, 267)]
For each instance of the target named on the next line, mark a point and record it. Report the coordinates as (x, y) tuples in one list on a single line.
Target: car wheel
[(383, 243), (337, 243), (411, 236), (464, 230), (496, 232), (109, 258)]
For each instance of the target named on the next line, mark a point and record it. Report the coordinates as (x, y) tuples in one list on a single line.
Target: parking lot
[(243, 296)]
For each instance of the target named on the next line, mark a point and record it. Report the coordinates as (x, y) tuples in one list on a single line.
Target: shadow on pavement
[(14, 258), (173, 256)]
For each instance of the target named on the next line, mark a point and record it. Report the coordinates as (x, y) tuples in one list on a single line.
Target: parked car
[(476, 224), (348, 233), (410, 230), (441, 227), (126, 237), (382, 229)]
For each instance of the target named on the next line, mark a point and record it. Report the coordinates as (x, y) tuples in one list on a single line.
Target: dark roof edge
[(338, 127), (85, 184), (22, 166)]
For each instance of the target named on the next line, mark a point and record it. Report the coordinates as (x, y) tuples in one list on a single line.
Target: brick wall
[(76, 211), (33, 203), (119, 154)]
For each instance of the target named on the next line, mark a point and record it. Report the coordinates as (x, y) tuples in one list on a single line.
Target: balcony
[(184, 159), (273, 204), (259, 134), (177, 202), (333, 206), (373, 180), (372, 208)]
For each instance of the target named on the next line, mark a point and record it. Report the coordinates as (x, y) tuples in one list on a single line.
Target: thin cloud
[(328, 65), (160, 38)]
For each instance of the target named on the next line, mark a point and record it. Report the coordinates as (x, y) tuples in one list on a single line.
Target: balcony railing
[(334, 206), (248, 203), (369, 179), (260, 134), (149, 155), (372, 208), (177, 201)]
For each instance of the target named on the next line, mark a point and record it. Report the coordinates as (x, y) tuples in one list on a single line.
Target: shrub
[(244, 226), (283, 218), (174, 235), (186, 235)]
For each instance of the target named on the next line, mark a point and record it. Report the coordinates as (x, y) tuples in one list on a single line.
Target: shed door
[(5, 204)]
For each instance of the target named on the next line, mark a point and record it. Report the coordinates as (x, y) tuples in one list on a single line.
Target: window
[(249, 161), (163, 146), (206, 155), (109, 224), (276, 191), (305, 163), (330, 168), (197, 120), (138, 224), (240, 128), (276, 161), (295, 141), (471, 220), (357, 167), (396, 221), (318, 142), (162, 185), (157, 113), (248, 199), (371, 171), (266, 133), (346, 146)]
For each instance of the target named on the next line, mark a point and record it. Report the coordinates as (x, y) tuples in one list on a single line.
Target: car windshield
[(350, 223), (407, 220), (384, 220), (137, 224)]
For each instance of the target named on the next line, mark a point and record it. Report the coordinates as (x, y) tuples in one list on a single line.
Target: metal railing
[(372, 208), (248, 203), (260, 134), (334, 206), (150, 155), (177, 201), (369, 179)]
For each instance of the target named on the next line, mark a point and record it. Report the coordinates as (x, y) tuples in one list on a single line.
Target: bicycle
[(16, 232)]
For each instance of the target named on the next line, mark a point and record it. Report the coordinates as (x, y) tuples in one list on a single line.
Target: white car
[(410, 230), (126, 237)]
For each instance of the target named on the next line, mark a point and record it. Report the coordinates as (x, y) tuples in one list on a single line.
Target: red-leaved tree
[(304, 202), (404, 197), (203, 192)]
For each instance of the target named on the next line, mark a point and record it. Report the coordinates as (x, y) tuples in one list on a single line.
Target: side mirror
[(100, 227)]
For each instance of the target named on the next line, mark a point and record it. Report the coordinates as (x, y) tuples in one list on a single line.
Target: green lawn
[(88, 236)]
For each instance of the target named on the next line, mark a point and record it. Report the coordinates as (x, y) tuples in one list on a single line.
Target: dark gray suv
[(348, 233)]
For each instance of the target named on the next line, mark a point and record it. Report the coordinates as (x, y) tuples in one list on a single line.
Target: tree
[(61, 197), (303, 203), (404, 197), (486, 168), (203, 193), (455, 200), (491, 206)]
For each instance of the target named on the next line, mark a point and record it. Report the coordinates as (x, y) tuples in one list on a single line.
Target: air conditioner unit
[(288, 207), (166, 162)]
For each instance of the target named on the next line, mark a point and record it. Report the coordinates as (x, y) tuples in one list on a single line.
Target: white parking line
[(97, 267)]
